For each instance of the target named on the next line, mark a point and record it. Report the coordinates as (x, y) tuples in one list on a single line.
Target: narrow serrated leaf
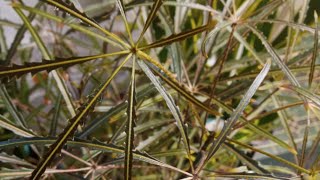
[(131, 113), (179, 37), (73, 124), (156, 5), (72, 10), (8, 72)]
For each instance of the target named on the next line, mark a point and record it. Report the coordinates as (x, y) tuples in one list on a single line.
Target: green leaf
[(227, 128), (131, 113), (179, 37), (156, 5), (73, 124)]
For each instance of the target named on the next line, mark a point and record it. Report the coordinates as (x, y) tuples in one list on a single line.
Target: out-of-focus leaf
[(5, 158), (18, 119), (277, 158), (54, 123), (244, 176), (5, 123), (306, 93)]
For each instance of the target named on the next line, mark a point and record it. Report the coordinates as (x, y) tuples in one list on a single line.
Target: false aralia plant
[(160, 89)]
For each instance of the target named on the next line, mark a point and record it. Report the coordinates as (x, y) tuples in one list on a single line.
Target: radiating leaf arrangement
[(159, 90)]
